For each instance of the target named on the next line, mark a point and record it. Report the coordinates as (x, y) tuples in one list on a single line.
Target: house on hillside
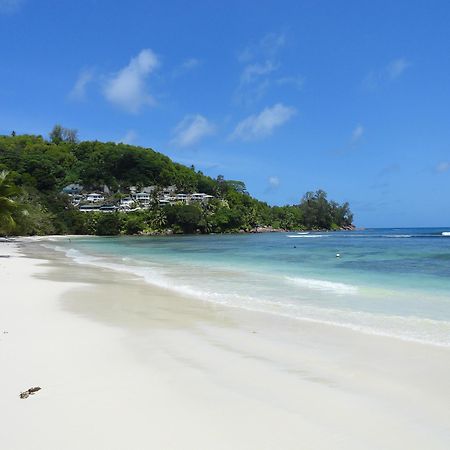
[(142, 197), (201, 197), (95, 198), (76, 199), (108, 208), (182, 198), (89, 208)]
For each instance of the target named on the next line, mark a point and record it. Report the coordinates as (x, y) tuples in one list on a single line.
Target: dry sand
[(123, 365)]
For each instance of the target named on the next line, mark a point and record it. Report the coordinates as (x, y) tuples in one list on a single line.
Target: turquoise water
[(393, 282)]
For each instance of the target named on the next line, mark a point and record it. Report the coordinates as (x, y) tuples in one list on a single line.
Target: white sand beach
[(124, 365)]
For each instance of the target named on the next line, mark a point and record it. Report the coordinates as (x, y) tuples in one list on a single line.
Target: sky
[(351, 97)]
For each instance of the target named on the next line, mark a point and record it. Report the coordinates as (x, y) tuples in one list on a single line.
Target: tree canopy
[(38, 169), (7, 203)]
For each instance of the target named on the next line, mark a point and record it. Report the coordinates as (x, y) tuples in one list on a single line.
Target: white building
[(89, 208), (200, 197), (181, 197), (142, 197), (172, 199), (94, 197), (108, 208), (76, 199)]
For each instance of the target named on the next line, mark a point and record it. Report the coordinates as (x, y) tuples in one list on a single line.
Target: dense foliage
[(36, 170), (7, 204)]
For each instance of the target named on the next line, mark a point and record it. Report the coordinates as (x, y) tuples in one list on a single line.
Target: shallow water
[(393, 282)]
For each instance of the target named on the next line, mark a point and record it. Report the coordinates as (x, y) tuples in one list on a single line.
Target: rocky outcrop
[(266, 229)]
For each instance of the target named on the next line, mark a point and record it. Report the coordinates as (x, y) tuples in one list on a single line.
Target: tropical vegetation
[(34, 171)]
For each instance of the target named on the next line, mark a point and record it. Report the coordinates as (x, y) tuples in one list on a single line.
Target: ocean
[(390, 282)]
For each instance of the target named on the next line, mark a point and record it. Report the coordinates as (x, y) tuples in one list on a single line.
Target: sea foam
[(304, 236), (296, 302), (323, 285)]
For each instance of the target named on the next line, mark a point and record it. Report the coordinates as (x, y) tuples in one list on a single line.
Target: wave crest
[(322, 285)]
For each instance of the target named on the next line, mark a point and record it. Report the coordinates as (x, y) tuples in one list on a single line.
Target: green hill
[(38, 170)]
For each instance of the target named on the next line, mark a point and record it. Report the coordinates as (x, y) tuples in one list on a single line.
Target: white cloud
[(357, 134), (353, 143), (130, 137), (187, 65), (272, 42), (263, 124), (274, 182), (248, 94), (10, 6), (252, 71), (127, 88), (387, 74), (190, 63), (260, 61), (191, 130), (396, 68), (78, 91), (443, 166), (296, 82), (267, 47)]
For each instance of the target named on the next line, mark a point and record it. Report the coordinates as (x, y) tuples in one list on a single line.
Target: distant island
[(63, 186)]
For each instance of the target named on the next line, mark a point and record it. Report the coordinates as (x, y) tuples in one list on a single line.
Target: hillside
[(39, 169)]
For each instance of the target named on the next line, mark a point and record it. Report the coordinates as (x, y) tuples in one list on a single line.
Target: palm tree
[(208, 211), (159, 219), (7, 204)]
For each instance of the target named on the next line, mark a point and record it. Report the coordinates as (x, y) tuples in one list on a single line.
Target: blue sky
[(352, 97)]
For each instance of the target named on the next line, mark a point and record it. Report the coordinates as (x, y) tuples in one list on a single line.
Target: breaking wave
[(322, 285), (410, 328)]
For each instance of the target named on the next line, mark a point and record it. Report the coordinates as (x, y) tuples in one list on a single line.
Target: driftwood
[(28, 392), (34, 389)]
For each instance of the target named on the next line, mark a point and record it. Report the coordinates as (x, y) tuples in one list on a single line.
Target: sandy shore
[(123, 365)]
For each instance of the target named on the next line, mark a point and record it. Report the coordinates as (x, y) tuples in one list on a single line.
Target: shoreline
[(151, 368), (169, 232), (367, 330)]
